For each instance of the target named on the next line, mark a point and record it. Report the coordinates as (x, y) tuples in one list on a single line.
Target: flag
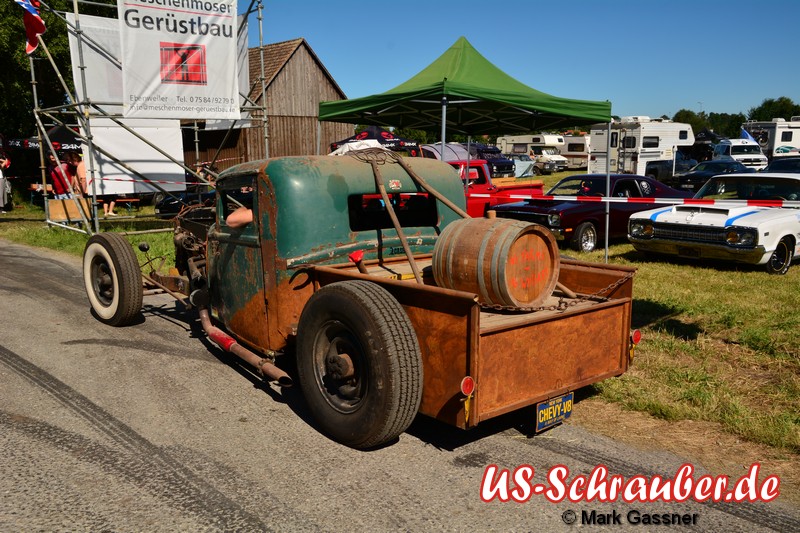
[(34, 25), (746, 135)]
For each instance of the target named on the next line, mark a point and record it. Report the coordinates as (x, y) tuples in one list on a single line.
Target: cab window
[(234, 194)]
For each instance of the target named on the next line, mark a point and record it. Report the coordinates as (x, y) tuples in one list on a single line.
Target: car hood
[(713, 216)]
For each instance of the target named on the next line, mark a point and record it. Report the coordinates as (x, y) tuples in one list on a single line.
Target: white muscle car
[(735, 227)]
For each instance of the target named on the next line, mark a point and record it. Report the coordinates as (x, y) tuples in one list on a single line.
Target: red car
[(482, 194), (582, 224)]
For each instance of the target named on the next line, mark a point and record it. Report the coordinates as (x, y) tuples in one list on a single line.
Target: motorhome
[(639, 145), (544, 149), (745, 151), (777, 138), (576, 151)]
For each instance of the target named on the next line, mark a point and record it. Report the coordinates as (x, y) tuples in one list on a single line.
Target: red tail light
[(467, 386)]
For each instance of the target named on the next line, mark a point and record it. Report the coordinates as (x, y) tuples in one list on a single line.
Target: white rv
[(777, 138), (544, 149), (576, 151), (640, 145)]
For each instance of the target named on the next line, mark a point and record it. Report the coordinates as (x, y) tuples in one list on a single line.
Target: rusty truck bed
[(517, 358)]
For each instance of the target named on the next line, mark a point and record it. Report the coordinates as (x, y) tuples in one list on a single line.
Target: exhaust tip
[(285, 382)]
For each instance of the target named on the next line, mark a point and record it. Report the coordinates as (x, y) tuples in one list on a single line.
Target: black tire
[(537, 171), (781, 259), (372, 396), (112, 278), (585, 237)]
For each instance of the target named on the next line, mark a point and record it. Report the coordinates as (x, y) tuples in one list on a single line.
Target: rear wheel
[(585, 237), (359, 363), (781, 259), (112, 278)]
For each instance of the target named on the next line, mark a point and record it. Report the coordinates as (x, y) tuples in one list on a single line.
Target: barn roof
[(276, 57)]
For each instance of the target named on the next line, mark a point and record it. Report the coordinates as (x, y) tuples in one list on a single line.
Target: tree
[(770, 108), (721, 123), (16, 105)]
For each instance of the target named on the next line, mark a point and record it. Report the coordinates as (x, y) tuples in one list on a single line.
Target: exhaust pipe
[(229, 344)]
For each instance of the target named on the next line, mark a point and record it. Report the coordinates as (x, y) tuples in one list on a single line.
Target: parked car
[(482, 194), (500, 165), (699, 174), (743, 232), (784, 164), (582, 224)]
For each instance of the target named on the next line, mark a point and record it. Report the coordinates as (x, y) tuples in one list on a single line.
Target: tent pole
[(444, 122), (608, 186)]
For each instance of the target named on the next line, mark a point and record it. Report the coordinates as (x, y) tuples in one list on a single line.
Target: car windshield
[(579, 186), (745, 149), (521, 157), (750, 188)]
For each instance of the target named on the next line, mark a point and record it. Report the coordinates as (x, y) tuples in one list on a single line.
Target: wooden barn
[(296, 82)]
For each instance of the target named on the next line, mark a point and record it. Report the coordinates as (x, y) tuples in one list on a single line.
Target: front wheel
[(112, 278), (359, 363), (781, 258), (585, 237)]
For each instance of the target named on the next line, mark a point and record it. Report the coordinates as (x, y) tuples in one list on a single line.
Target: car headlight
[(641, 228), (554, 220), (741, 237)]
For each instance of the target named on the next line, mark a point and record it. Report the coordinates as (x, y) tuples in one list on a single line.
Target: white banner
[(179, 59)]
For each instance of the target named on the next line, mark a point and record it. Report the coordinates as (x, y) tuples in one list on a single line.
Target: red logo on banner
[(183, 64)]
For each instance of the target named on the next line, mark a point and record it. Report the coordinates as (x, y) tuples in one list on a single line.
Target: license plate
[(553, 411), (685, 251)]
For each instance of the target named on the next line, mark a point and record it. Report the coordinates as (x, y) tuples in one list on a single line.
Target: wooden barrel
[(504, 261)]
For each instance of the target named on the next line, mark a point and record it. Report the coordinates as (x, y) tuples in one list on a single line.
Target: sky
[(646, 57)]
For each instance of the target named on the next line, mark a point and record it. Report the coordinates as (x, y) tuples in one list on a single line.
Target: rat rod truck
[(366, 271)]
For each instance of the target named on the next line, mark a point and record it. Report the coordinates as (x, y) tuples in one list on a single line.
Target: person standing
[(59, 178), (5, 188), (76, 172)]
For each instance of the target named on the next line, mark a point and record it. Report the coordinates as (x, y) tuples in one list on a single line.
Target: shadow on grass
[(722, 266), (652, 314)]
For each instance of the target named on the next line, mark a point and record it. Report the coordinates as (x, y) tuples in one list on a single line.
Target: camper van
[(544, 149), (745, 151), (640, 145), (576, 151), (777, 138)]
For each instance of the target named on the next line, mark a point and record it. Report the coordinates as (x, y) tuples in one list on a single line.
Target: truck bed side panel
[(523, 365)]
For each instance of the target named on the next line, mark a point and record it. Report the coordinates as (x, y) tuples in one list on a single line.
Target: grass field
[(719, 342)]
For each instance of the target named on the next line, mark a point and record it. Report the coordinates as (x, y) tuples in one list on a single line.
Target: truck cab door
[(235, 267)]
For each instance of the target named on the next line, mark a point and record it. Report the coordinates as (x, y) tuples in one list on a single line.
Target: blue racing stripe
[(733, 219), (654, 216)]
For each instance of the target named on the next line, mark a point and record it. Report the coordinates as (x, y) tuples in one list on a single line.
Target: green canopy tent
[(463, 92)]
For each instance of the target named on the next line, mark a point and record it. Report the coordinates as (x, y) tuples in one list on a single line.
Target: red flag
[(34, 25)]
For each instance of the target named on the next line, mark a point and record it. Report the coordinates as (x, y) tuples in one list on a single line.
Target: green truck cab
[(365, 276)]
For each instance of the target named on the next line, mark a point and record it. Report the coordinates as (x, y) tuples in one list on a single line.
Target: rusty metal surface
[(526, 364)]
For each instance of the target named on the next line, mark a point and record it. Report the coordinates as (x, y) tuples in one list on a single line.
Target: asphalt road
[(151, 428)]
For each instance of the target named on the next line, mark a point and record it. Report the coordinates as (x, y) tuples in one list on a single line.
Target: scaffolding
[(83, 111)]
